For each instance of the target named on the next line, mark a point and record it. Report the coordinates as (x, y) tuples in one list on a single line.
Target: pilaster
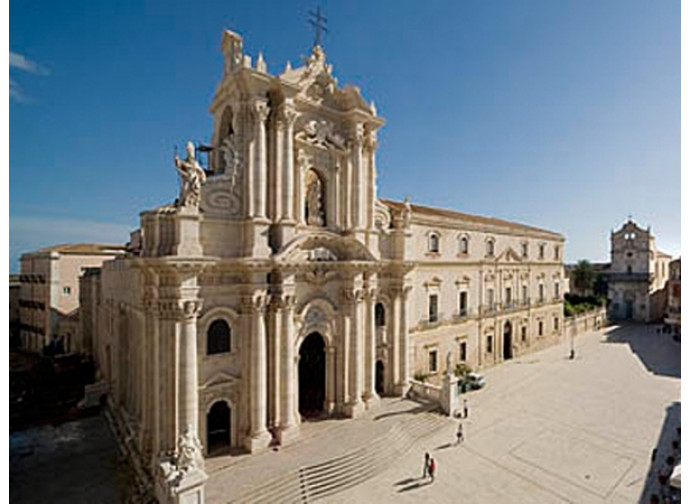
[(259, 437)]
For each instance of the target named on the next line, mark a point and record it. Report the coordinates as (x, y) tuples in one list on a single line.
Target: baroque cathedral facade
[(279, 287)]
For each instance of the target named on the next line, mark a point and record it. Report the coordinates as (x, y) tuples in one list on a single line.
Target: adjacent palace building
[(278, 286)]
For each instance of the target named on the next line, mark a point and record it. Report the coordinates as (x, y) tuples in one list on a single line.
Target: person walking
[(458, 434), (426, 465), (432, 468), (466, 408)]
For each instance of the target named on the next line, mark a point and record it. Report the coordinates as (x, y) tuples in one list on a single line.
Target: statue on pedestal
[(192, 176)]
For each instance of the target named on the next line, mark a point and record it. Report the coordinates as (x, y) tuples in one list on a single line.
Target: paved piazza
[(545, 429)]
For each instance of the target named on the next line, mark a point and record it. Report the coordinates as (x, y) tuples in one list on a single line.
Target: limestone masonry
[(279, 287)]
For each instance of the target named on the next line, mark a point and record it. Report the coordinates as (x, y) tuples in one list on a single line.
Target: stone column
[(302, 163), (278, 174), (344, 357), (287, 367), (370, 396), (288, 166), (404, 343), (347, 193), (371, 177), (357, 178), (261, 111), (259, 436), (188, 391), (355, 406), (330, 378), (275, 361), (394, 343)]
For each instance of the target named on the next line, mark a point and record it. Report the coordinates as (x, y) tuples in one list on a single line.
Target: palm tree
[(583, 277)]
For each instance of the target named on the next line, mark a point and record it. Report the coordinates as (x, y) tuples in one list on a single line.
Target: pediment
[(509, 255), (323, 246), (220, 378)]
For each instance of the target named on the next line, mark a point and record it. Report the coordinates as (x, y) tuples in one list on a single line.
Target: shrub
[(462, 369), (420, 377)]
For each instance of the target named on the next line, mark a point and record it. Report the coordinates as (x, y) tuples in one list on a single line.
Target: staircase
[(309, 483)]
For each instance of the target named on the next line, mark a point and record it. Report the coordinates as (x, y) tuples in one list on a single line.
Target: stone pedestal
[(185, 489), (449, 394), (256, 238), (187, 242)]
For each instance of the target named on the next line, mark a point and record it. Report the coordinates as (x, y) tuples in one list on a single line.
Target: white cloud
[(16, 92), (20, 62)]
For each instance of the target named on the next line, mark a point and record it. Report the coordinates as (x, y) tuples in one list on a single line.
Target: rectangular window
[(433, 361), (489, 344), (490, 298), (463, 351), (463, 304), (524, 334), (509, 296), (67, 290), (541, 328), (433, 307), (557, 290), (524, 250), (555, 323), (541, 251), (557, 252), (524, 293), (541, 292)]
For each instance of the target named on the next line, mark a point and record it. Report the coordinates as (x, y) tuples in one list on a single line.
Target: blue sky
[(563, 115)]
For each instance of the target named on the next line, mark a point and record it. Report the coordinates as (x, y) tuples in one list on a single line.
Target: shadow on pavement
[(418, 483), (422, 407), (668, 445), (659, 353)]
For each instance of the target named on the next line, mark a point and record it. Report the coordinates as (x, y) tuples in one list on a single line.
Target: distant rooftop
[(81, 248), (476, 219)]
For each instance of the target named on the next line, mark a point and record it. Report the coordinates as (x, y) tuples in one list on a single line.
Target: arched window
[(541, 251), (380, 315), (464, 245), (490, 247), (218, 337), (314, 202), (433, 242)]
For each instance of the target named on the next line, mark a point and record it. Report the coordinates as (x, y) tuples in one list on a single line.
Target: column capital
[(255, 303), (261, 109), (190, 308), (351, 296), (287, 114), (371, 294)]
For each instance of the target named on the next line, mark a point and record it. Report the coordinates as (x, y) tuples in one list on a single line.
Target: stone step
[(334, 475)]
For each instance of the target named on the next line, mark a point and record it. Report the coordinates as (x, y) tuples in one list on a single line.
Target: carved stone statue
[(192, 176), (315, 213), (406, 213), (189, 451)]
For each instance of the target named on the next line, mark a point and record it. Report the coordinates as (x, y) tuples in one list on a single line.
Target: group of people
[(429, 463)]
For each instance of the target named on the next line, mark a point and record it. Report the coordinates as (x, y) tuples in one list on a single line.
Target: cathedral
[(279, 287)]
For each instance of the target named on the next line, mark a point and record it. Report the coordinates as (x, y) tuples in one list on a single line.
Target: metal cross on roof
[(319, 24)]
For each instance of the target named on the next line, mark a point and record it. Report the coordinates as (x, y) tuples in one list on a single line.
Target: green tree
[(583, 277)]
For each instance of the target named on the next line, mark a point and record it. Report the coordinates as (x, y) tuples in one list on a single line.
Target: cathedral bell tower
[(293, 153)]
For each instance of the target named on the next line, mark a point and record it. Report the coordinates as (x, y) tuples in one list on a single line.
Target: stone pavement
[(547, 429), (234, 476)]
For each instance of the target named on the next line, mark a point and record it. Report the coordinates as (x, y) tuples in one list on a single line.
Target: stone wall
[(588, 321)]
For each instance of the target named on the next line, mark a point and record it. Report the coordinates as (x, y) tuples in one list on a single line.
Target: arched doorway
[(507, 341), (379, 377), (218, 428), (312, 376)]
